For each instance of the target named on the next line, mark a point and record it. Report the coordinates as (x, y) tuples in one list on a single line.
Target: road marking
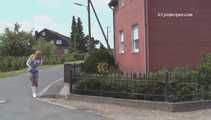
[(48, 86), (3, 101)]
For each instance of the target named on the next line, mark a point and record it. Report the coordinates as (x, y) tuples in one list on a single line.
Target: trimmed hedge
[(182, 85)]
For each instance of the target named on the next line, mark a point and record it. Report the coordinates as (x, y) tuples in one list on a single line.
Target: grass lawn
[(17, 72), (11, 73)]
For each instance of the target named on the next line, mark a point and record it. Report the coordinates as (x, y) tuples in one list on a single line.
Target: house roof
[(113, 3), (52, 35)]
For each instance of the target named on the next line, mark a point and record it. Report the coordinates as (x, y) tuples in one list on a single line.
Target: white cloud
[(35, 23), (4, 24)]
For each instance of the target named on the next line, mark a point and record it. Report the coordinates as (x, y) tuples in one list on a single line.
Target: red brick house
[(155, 34)]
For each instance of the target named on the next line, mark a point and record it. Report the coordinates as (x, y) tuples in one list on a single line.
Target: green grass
[(11, 73), (18, 72)]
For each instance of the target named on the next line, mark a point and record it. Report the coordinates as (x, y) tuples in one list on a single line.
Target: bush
[(95, 57), (53, 60), (16, 42), (47, 48), (12, 63), (205, 76)]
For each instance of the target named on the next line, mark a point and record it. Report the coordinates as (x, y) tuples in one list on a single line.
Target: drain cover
[(3, 101)]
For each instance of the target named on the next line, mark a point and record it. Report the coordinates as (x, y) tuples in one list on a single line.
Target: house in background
[(155, 34), (56, 38)]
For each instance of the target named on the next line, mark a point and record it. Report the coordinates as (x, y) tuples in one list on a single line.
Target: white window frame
[(135, 38), (122, 42), (52, 41), (59, 42), (43, 34)]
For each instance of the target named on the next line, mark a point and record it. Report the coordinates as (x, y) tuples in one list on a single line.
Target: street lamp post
[(89, 6), (89, 20)]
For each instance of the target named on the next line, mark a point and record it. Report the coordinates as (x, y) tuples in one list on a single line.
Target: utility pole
[(89, 23), (108, 31), (101, 27)]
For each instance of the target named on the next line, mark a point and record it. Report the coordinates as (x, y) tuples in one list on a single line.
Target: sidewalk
[(121, 112), (117, 112)]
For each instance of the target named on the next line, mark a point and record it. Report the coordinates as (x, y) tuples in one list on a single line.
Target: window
[(122, 3), (135, 38), (65, 51), (122, 43), (43, 34), (58, 42), (52, 41)]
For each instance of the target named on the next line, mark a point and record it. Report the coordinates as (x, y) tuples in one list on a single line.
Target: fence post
[(166, 85), (71, 81)]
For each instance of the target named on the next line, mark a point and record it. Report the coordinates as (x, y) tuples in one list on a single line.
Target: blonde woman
[(33, 62)]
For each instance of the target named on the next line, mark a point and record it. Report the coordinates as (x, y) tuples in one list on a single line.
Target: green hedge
[(11, 63), (182, 85)]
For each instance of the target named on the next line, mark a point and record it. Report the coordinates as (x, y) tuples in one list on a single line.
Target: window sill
[(122, 52), (135, 51)]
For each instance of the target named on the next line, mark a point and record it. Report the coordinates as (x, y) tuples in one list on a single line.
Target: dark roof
[(113, 3), (52, 35)]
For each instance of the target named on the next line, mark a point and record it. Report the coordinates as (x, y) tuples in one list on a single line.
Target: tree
[(73, 35), (97, 56), (80, 37), (91, 45), (47, 48), (78, 41), (16, 42)]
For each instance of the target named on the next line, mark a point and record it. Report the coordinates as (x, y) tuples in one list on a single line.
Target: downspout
[(114, 32), (147, 70)]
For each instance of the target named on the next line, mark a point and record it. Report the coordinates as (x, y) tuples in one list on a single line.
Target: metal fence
[(165, 86)]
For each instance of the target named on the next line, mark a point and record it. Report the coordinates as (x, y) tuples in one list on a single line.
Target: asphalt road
[(21, 106)]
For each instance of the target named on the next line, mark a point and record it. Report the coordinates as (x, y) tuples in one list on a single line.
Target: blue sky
[(53, 14)]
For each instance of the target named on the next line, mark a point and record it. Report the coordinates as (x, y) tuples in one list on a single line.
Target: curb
[(57, 104)]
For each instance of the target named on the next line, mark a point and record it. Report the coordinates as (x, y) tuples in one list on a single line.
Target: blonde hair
[(37, 54)]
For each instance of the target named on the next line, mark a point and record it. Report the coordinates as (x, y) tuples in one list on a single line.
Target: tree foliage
[(79, 42), (47, 48), (97, 56), (16, 42)]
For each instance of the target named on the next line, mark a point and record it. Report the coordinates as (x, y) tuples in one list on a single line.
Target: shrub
[(10, 63), (47, 48), (205, 76), (95, 57), (16, 42)]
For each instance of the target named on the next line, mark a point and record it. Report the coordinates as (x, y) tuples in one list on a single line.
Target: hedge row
[(182, 85), (11, 63)]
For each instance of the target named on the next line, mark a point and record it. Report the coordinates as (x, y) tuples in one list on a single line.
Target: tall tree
[(91, 44), (80, 36), (78, 41), (73, 37)]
